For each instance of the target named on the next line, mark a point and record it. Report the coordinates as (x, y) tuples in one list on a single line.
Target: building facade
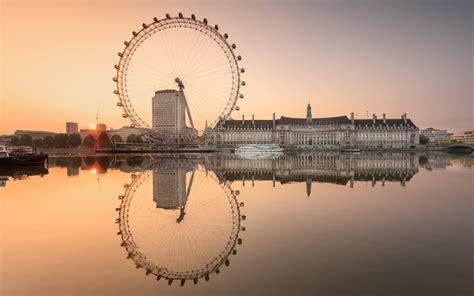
[(326, 133), (72, 128), (168, 112), (436, 135), (466, 137)]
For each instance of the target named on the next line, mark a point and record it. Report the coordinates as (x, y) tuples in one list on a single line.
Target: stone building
[(319, 133)]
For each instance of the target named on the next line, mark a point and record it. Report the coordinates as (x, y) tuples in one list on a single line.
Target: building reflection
[(311, 167), (336, 168)]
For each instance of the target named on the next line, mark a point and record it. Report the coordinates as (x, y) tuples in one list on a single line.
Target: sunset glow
[(335, 54)]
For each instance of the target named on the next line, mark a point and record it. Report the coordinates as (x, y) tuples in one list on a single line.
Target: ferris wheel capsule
[(180, 15), (242, 70), (144, 26), (193, 17), (126, 43), (237, 108), (114, 79), (120, 54), (125, 115), (234, 46), (239, 58), (243, 83), (241, 96), (116, 92), (216, 27), (119, 104), (226, 35), (134, 33), (155, 19), (168, 16), (205, 20)]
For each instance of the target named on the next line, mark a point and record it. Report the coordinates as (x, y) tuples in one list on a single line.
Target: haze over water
[(290, 226)]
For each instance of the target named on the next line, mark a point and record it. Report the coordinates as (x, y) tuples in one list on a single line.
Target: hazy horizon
[(392, 57)]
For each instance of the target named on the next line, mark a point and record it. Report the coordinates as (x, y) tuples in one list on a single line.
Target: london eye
[(178, 223), (178, 78)]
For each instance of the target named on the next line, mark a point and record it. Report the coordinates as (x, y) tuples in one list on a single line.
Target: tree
[(38, 143), (116, 139), (132, 138), (48, 141), (89, 141), (61, 141), (424, 140), (103, 141), (15, 141), (75, 140), (26, 140)]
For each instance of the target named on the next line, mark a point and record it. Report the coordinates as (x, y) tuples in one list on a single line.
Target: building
[(436, 135), (34, 134), (72, 128), (325, 133), (466, 137), (168, 112), (384, 133)]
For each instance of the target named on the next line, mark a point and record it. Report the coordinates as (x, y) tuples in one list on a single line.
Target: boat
[(22, 157), (252, 148), (259, 151)]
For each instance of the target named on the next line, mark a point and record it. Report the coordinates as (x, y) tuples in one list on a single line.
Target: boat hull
[(24, 160)]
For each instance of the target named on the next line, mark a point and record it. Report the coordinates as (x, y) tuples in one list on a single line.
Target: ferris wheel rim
[(141, 260), (156, 26)]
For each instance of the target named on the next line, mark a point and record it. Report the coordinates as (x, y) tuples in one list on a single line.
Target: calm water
[(315, 224)]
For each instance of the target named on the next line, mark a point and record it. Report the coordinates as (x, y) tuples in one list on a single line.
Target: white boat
[(259, 151), (252, 148)]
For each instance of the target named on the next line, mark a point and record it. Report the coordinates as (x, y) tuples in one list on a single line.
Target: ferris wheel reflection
[(178, 222)]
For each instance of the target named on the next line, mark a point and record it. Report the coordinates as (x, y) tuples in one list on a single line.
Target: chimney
[(253, 119), (273, 120), (374, 118), (243, 119), (352, 117), (384, 119), (404, 117)]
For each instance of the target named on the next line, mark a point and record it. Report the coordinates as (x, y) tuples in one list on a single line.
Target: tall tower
[(309, 116)]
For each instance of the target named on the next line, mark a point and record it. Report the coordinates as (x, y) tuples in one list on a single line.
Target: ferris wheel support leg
[(188, 112)]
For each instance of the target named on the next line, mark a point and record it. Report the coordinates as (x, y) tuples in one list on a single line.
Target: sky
[(342, 56)]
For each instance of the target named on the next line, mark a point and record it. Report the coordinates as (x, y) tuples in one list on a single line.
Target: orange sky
[(343, 56)]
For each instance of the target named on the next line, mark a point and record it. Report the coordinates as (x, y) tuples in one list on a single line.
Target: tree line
[(73, 141)]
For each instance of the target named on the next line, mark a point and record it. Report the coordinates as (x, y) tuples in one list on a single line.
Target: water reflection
[(20, 173), (177, 221)]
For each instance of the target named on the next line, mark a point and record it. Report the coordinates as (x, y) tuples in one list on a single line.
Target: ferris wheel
[(177, 222), (178, 78)]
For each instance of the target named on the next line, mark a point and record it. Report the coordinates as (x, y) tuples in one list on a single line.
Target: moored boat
[(20, 158), (252, 148)]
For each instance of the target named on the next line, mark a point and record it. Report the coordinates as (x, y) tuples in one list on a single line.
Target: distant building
[(100, 127), (436, 135), (466, 137), (33, 134), (325, 133), (72, 128)]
